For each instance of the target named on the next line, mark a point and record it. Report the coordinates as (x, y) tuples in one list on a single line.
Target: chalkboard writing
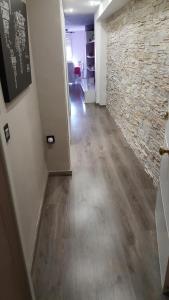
[(15, 70)]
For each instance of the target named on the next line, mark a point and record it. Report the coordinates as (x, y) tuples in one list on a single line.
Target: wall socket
[(50, 139)]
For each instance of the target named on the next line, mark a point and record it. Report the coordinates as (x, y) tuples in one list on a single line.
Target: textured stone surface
[(138, 76)]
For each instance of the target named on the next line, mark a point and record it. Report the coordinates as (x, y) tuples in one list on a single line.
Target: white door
[(162, 213)]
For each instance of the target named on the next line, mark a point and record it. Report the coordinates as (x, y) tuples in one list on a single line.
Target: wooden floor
[(97, 239)]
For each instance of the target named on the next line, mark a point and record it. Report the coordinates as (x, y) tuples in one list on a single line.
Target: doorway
[(80, 54)]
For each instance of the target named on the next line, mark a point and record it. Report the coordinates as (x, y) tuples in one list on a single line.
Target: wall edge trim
[(38, 223)]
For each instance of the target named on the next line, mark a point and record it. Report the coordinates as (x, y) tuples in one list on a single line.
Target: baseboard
[(39, 221), (100, 105), (61, 173)]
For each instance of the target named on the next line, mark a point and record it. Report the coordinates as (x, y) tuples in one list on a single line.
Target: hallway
[(97, 238)]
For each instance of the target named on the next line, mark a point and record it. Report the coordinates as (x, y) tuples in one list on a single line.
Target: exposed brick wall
[(138, 76)]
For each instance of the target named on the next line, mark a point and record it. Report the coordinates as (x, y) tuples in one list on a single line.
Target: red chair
[(77, 71)]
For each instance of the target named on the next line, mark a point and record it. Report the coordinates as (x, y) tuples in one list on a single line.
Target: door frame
[(10, 204)]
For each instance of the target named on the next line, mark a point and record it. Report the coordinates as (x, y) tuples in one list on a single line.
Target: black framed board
[(15, 68)]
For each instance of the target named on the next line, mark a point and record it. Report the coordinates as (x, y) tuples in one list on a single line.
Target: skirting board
[(60, 173), (100, 105), (39, 221)]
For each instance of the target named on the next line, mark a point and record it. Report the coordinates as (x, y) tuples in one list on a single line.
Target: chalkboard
[(15, 69)]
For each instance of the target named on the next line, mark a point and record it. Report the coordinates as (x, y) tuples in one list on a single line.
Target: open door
[(162, 213), (14, 282)]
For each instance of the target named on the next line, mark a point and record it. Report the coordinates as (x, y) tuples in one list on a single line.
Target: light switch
[(50, 139), (7, 133)]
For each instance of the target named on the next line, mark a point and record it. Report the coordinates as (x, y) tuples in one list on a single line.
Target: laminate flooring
[(97, 237)]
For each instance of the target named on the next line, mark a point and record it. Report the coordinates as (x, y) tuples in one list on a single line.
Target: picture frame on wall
[(15, 67)]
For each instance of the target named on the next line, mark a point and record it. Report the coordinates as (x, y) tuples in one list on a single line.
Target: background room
[(80, 53)]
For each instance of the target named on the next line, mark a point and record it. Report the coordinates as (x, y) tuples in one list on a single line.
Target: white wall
[(25, 152), (47, 33), (26, 162), (79, 47)]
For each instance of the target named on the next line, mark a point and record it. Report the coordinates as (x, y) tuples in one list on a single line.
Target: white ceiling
[(81, 12), (84, 7), (109, 7)]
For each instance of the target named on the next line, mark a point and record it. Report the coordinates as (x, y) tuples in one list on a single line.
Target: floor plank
[(97, 239)]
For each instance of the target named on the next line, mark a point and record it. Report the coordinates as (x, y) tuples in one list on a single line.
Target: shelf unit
[(91, 69), (88, 56), (88, 83), (91, 42), (90, 53)]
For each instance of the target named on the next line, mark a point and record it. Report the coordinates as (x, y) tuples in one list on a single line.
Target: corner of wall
[(48, 42)]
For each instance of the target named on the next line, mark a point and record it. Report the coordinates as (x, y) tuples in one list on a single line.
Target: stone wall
[(138, 76)]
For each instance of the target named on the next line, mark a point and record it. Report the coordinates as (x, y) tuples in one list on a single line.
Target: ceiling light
[(94, 3), (69, 10)]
